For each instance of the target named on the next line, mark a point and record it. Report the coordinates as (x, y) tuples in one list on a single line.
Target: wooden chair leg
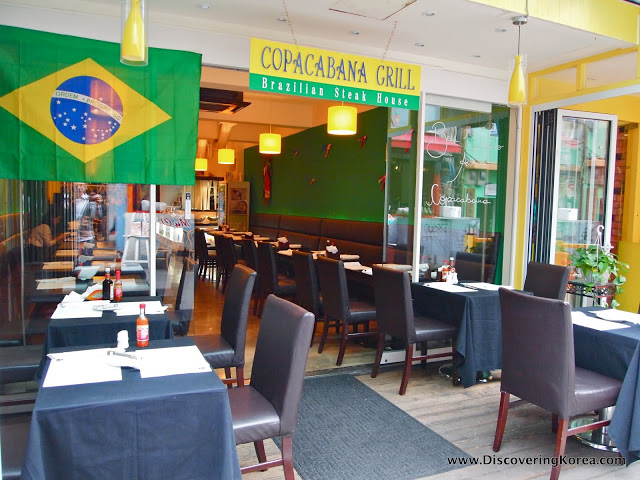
[(454, 364), (260, 453), (379, 349), (561, 444), (325, 331), (554, 423), (227, 375), (343, 344), (406, 371), (423, 353), (287, 457), (240, 376), (502, 420)]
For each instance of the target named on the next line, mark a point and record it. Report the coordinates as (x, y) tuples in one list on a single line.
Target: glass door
[(583, 181)]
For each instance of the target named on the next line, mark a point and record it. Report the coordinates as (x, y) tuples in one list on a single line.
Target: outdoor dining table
[(613, 349), (102, 329), (476, 313), (177, 426)]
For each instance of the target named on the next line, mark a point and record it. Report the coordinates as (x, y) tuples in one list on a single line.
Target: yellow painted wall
[(630, 252), (611, 18)]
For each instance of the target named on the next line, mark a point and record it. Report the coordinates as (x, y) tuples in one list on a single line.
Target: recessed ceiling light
[(354, 32), (419, 44), (282, 19), (204, 6), (500, 30), (476, 55), (429, 13)]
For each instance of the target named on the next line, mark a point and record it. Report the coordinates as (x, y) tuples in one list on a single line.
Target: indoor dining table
[(161, 427)]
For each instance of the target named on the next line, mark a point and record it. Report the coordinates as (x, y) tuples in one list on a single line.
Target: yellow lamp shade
[(133, 49), (343, 120), (201, 164), (226, 156), (270, 143), (517, 85)]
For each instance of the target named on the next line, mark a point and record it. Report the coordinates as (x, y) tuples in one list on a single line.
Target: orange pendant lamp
[(133, 48)]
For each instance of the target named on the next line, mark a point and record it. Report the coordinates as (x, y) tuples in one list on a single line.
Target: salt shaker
[(123, 340)]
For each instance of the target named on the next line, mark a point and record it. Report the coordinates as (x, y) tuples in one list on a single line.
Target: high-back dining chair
[(395, 317), (307, 288), (250, 254), (270, 281), (226, 349), (181, 314), (268, 407), (546, 280), (14, 433), (339, 310), (538, 366), (206, 258)]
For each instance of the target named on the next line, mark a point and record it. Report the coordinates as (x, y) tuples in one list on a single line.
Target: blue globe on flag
[(86, 110)]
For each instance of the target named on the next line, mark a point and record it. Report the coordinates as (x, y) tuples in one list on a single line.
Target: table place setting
[(615, 315), (450, 287), (355, 266), (67, 283), (80, 367), (485, 286), (579, 318), (60, 265)]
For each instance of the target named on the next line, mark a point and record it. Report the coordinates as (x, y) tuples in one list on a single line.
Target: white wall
[(230, 50)]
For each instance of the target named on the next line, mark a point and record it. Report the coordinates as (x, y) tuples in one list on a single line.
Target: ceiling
[(453, 35)]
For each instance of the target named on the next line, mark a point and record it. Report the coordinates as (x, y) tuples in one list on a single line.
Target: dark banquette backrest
[(352, 236), (301, 230), (265, 224)]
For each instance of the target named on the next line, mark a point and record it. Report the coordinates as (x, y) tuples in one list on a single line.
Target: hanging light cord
[(393, 31), (519, 39), (286, 12)]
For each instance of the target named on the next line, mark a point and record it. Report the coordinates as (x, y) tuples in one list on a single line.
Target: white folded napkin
[(332, 249), (91, 289), (87, 272), (73, 297), (283, 240)]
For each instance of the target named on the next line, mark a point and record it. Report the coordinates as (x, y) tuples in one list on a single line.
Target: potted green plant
[(598, 266)]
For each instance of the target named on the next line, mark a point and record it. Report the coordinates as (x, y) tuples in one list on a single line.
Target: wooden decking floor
[(465, 417)]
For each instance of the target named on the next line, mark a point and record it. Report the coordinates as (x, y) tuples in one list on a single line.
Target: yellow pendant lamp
[(342, 120), (518, 84), (270, 143), (201, 164), (226, 156), (133, 48)]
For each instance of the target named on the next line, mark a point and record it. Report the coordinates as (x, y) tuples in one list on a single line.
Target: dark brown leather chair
[(181, 315), (307, 288), (538, 366), (339, 310), (207, 258), (14, 432), (227, 348), (268, 407), (546, 280), (270, 281), (223, 269), (250, 254), (395, 317)]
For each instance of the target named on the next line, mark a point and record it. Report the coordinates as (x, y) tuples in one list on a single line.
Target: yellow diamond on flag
[(84, 109)]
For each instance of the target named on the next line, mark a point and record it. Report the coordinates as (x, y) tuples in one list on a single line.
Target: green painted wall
[(343, 185)]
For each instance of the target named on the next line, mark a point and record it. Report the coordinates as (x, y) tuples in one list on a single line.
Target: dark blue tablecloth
[(615, 353), (477, 315), (174, 427)]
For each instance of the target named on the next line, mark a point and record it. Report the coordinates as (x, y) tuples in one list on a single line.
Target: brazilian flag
[(70, 111)]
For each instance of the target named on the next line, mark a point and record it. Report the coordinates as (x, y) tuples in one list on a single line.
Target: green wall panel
[(344, 184)]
